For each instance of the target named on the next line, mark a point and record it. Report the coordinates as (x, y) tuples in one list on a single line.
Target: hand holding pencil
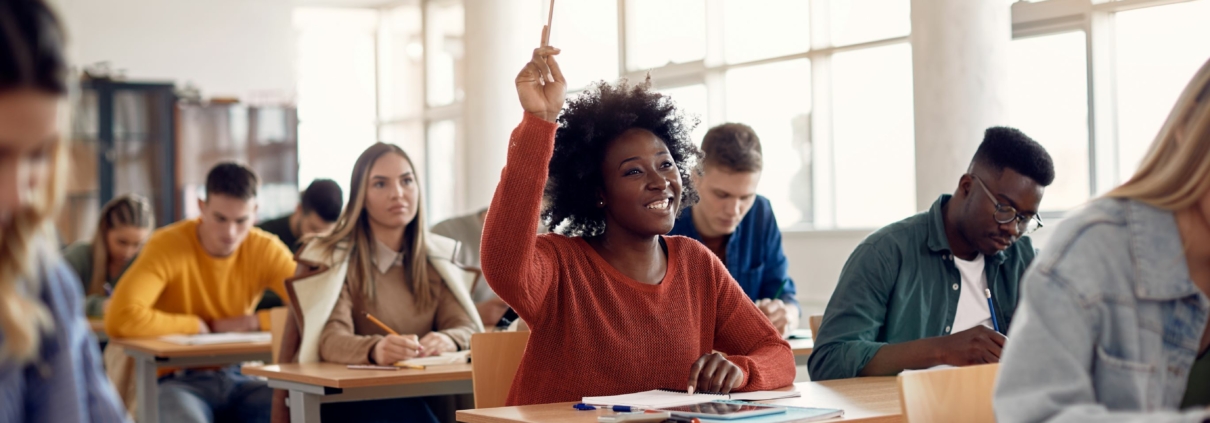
[(394, 347)]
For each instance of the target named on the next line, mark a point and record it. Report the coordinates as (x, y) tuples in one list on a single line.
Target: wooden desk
[(151, 354), (802, 349), (869, 400), (313, 384)]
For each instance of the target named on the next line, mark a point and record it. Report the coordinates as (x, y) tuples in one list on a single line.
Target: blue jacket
[(64, 382), (754, 255), (1109, 323)]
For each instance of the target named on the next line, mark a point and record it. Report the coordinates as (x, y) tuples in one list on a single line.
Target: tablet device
[(722, 411)]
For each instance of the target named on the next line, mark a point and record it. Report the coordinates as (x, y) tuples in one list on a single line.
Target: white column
[(960, 73), (500, 37)]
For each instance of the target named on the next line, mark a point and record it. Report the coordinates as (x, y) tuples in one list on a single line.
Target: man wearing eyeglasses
[(915, 294)]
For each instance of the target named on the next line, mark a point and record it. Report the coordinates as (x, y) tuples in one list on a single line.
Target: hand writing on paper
[(540, 85), (776, 312), (393, 348), (436, 343), (714, 373), (977, 345)]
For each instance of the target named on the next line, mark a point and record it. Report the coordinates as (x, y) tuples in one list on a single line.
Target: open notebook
[(460, 357), (219, 338), (659, 398)]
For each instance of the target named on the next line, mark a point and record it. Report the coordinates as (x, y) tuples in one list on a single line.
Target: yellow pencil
[(409, 365), (381, 325)]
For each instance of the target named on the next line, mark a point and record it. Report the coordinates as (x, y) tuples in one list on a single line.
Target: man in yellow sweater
[(206, 275)]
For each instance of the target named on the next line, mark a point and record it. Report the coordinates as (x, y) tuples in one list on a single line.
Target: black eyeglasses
[(1005, 214)]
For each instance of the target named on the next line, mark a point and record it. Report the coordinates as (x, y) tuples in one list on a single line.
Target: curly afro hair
[(586, 126)]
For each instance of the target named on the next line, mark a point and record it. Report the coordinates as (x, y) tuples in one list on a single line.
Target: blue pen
[(992, 308), (616, 408)]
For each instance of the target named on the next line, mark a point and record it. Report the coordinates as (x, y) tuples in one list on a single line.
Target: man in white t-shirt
[(915, 294)]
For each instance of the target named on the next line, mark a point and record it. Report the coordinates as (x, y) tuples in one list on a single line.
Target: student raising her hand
[(614, 305)]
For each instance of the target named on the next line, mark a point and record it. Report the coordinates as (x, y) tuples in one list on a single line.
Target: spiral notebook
[(659, 398)]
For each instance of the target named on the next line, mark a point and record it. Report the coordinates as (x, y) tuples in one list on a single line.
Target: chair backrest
[(495, 357), (959, 394), (814, 321), (277, 326)]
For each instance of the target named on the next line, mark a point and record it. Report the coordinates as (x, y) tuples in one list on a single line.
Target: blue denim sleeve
[(68, 384), (855, 314), (1045, 371)]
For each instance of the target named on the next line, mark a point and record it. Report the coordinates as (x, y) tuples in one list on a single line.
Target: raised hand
[(540, 85)]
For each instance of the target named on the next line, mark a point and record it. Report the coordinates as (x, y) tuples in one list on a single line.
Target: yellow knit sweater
[(174, 283)]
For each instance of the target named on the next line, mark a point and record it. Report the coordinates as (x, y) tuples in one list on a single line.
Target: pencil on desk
[(409, 365), (381, 325)]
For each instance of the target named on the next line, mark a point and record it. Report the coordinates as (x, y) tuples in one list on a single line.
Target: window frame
[(1029, 19)]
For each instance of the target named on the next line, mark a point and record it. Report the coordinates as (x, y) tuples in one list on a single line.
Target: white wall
[(224, 47)]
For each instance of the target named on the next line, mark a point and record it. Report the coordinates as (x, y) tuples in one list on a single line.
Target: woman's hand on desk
[(392, 348), (714, 373), (436, 343)]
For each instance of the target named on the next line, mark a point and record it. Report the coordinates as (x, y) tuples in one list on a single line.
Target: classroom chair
[(277, 326), (495, 357), (958, 394), (814, 322)]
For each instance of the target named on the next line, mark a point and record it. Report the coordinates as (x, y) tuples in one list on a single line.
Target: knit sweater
[(596, 331), (175, 283)]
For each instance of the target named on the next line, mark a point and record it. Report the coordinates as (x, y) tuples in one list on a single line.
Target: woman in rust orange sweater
[(614, 305)]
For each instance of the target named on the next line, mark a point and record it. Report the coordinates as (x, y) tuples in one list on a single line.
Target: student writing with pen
[(125, 224), (738, 225), (932, 289), (614, 305), (378, 289)]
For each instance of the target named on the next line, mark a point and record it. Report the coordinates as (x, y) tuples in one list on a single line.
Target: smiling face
[(391, 192), (979, 227), (642, 184)]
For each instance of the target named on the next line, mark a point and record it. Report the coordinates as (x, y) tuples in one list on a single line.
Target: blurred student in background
[(126, 223)]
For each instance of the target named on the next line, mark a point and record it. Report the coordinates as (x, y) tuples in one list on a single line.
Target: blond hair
[(353, 229), (124, 210), (25, 241), (1175, 173), (31, 54)]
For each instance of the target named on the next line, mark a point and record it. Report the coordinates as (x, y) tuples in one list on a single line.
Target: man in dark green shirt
[(914, 294), (316, 213)]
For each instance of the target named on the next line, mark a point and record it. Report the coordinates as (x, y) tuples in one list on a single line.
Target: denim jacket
[(64, 382), (1109, 323)]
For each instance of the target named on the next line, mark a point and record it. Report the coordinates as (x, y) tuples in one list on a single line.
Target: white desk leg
[(148, 389), (304, 407)]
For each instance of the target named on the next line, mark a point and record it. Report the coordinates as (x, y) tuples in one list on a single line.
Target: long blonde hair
[(353, 226), (124, 210), (1175, 173), (31, 56)]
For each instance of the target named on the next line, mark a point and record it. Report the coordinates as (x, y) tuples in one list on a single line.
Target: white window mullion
[(823, 175)]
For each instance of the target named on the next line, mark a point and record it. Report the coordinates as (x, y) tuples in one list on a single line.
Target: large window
[(336, 120), (1158, 51), (1048, 100), (807, 94), (1093, 81)]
